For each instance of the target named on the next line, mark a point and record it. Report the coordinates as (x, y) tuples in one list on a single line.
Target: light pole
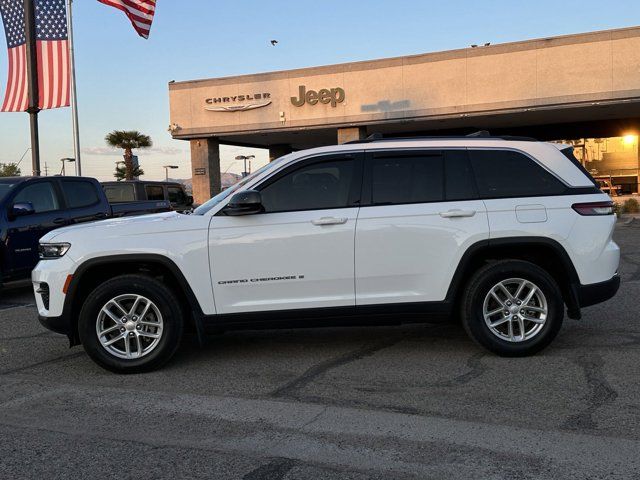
[(66, 160), (166, 170), (245, 158)]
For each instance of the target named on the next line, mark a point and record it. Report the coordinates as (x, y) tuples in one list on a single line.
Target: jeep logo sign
[(333, 96)]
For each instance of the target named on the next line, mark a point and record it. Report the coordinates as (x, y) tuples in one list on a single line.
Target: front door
[(420, 213), (299, 253), (24, 232)]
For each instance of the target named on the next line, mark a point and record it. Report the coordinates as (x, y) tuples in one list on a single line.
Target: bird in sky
[(274, 42)]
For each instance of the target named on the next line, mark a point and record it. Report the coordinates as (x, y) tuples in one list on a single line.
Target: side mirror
[(21, 209), (189, 200), (244, 203)]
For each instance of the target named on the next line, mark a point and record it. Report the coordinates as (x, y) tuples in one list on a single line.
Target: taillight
[(594, 208)]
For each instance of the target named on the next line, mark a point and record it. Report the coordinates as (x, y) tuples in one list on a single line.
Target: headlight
[(49, 251)]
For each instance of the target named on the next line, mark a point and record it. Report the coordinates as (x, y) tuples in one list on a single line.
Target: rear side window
[(79, 193), (120, 193), (407, 179), (505, 173), (154, 192)]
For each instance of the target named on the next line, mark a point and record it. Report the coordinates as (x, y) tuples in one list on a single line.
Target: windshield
[(209, 204), (5, 187)]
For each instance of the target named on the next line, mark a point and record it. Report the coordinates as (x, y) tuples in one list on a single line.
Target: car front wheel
[(513, 308), (131, 323)]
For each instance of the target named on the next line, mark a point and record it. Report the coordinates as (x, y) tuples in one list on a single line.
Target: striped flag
[(140, 13), (52, 52)]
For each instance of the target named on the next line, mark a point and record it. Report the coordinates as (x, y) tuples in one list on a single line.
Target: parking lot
[(415, 401)]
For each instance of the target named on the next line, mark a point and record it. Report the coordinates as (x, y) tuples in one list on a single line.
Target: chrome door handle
[(457, 213), (329, 221)]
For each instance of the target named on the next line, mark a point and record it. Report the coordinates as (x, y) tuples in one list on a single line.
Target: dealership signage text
[(237, 103), (332, 96)]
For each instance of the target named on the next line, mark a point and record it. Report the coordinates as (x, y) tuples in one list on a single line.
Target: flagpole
[(32, 83), (74, 95)]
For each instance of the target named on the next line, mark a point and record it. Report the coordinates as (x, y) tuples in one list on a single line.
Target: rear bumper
[(598, 292)]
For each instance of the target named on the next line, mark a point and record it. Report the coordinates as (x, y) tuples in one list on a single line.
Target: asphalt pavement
[(414, 401)]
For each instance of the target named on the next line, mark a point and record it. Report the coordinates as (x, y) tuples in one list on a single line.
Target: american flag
[(140, 13), (52, 52)]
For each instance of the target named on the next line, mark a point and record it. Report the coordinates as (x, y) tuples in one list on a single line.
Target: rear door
[(83, 200), (420, 212), (522, 197), (24, 232)]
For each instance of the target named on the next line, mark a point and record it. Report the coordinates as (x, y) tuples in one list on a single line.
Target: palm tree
[(121, 173), (128, 140)]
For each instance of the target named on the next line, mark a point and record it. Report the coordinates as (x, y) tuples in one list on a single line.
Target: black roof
[(14, 179), (146, 182)]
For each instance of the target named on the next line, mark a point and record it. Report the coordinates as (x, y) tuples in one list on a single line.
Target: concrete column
[(276, 151), (351, 133), (205, 168)]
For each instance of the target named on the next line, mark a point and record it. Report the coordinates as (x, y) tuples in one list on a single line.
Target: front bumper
[(598, 292), (61, 324), (53, 312)]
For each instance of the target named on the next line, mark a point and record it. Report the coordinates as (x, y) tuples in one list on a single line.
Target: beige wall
[(572, 70)]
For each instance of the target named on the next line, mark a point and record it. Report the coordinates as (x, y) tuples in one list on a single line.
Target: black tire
[(479, 287), (167, 304)]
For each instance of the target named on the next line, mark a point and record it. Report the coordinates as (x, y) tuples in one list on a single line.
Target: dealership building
[(581, 88)]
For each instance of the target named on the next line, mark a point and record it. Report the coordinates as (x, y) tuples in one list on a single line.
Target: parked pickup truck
[(32, 206), (133, 190)]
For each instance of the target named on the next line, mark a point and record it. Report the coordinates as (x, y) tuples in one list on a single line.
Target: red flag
[(52, 52), (140, 13)]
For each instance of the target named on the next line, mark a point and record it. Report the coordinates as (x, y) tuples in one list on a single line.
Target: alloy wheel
[(129, 326), (515, 310)]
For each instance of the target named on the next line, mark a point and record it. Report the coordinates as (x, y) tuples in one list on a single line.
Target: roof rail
[(481, 135)]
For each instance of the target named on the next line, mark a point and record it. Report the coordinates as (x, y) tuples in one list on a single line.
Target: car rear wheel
[(513, 308), (131, 323)]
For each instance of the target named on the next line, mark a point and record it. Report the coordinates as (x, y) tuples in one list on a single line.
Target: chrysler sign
[(238, 103)]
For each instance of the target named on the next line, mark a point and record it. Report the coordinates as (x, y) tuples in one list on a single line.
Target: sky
[(122, 78)]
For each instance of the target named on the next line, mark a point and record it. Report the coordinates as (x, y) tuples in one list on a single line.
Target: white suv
[(501, 232)]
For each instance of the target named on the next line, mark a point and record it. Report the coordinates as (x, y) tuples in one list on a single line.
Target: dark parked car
[(32, 206), (134, 190)]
